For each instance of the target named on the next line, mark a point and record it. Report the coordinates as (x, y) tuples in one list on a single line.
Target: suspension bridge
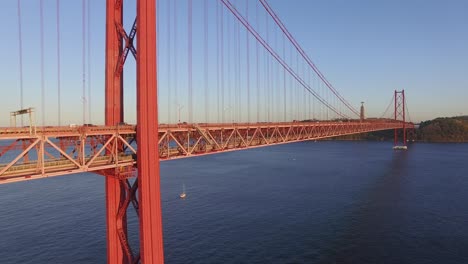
[(223, 76)]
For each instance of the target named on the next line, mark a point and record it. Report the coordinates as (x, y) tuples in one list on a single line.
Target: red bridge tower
[(401, 117), (120, 192)]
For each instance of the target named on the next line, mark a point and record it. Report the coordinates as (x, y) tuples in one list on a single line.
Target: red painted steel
[(400, 115), (62, 151), (151, 233), (113, 116), (111, 150)]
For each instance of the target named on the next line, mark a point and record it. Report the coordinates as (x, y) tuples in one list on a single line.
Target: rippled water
[(312, 202)]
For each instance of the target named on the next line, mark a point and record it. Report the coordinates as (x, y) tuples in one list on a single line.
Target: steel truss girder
[(58, 151), (200, 139), (61, 151)]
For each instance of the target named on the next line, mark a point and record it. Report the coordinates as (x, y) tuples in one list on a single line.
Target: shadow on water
[(369, 232)]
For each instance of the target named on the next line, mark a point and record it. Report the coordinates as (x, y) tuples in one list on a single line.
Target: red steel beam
[(149, 194), (110, 149), (113, 116)]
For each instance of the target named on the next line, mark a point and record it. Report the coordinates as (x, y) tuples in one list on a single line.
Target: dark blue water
[(313, 202)]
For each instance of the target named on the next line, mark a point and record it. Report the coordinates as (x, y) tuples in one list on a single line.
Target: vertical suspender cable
[(322, 111), (284, 82), (228, 70), (231, 69), (42, 63), (59, 118), (291, 85), (297, 103), (319, 106), (189, 47), (267, 64), (20, 41), (176, 94), (407, 113), (83, 55), (304, 95), (89, 60), (277, 103), (205, 43), (238, 62), (313, 101), (328, 100), (265, 72), (218, 6), (168, 62), (337, 106), (308, 97), (239, 77), (238, 74), (222, 65), (248, 62), (258, 71), (233, 77), (301, 93)]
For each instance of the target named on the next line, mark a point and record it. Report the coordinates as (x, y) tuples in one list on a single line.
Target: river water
[(310, 202)]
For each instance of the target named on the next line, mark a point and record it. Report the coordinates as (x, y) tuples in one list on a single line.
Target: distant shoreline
[(438, 130), (391, 140)]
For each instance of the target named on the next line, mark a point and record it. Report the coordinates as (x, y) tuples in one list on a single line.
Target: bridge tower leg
[(113, 116), (149, 192), (120, 192), (400, 115)]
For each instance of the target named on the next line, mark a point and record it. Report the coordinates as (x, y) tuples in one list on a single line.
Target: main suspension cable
[(305, 56), (246, 24), (388, 107)]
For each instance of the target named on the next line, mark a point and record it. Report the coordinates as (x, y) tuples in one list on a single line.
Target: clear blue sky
[(366, 49), (369, 48)]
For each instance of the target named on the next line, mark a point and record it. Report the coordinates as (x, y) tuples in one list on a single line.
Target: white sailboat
[(183, 194)]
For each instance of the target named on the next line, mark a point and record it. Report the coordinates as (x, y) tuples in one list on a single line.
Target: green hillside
[(447, 129), (442, 129)]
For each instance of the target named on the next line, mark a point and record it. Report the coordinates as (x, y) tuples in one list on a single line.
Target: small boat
[(400, 147), (183, 194)]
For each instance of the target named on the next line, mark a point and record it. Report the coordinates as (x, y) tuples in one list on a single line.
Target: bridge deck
[(52, 151)]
